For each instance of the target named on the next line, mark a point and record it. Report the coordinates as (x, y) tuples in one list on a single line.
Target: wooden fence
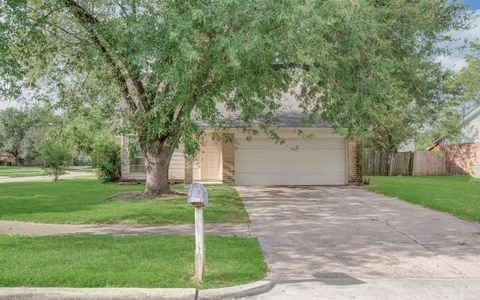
[(406, 163), (429, 163), (375, 163), (401, 164)]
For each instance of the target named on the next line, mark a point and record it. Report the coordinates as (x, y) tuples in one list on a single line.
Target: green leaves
[(170, 64)]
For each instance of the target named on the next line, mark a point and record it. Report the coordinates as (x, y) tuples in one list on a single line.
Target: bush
[(56, 156), (106, 158)]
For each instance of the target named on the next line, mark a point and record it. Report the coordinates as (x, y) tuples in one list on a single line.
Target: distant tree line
[(26, 131)]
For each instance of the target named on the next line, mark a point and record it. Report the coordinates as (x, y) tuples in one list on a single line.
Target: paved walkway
[(346, 241), (43, 178), (27, 228)]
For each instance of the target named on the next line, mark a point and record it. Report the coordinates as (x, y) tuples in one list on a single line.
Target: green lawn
[(80, 169), (83, 201), (126, 261), (22, 171), (457, 195), (18, 171)]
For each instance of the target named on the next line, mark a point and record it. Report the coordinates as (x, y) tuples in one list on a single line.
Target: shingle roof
[(288, 115), (284, 118)]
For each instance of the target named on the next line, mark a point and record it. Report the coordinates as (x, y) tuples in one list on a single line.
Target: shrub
[(106, 158), (56, 156)]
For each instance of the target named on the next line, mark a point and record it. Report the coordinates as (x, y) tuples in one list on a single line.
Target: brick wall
[(462, 158), (354, 162), (228, 156)]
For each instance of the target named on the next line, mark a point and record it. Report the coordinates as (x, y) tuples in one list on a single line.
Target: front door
[(211, 159)]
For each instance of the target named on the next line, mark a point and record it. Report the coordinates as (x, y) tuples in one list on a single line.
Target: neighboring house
[(408, 146), (7, 159), (471, 128), (435, 147), (463, 152), (324, 159)]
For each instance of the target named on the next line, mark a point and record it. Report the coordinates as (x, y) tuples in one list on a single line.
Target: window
[(137, 165)]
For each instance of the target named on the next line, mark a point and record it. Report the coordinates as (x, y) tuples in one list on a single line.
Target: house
[(471, 128), (324, 159), (409, 145), (435, 147), (463, 152), (7, 159)]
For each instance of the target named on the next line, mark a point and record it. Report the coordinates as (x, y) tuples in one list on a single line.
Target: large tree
[(465, 88), (468, 79), (21, 130), (14, 125), (380, 81), (177, 62)]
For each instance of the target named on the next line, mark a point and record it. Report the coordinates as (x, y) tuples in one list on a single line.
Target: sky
[(473, 4), (455, 61)]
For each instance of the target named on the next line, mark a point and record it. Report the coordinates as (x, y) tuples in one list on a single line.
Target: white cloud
[(455, 61)]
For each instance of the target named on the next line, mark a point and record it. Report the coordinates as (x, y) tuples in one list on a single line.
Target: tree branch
[(131, 86)]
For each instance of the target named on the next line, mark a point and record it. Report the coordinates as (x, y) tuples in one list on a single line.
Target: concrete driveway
[(349, 238)]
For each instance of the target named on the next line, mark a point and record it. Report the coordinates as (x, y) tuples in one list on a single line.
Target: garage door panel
[(319, 167), (278, 154), (331, 143), (280, 179), (315, 162)]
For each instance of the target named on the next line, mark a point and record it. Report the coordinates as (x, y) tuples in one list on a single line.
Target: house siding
[(176, 170), (471, 131)]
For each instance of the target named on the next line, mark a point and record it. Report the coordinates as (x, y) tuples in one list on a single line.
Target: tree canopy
[(468, 79), (174, 63), (21, 130)]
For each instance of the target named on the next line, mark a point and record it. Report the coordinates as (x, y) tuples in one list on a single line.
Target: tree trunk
[(157, 163)]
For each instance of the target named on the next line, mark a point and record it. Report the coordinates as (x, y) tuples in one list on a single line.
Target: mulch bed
[(127, 182)]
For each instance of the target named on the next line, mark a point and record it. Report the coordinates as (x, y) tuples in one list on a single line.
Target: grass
[(126, 261), (23, 171), (456, 195), (19, 171), (80, 169), (82, 201)]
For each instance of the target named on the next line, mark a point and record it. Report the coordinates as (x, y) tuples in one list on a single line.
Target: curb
[(234, 292), (240, 291), (96, 293)]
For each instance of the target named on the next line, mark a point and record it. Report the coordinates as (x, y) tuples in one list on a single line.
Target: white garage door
[(317, 161)]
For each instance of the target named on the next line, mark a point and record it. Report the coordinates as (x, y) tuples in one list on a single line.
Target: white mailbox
[(197, 195)]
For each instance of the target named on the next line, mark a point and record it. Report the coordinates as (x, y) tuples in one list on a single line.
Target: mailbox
[(197, 195)]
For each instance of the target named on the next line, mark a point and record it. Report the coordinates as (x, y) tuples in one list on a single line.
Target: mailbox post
[(198, 197)]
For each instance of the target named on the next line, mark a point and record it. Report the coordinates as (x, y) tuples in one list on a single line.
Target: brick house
[(324, 159), (7, 159), (463, 152)]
